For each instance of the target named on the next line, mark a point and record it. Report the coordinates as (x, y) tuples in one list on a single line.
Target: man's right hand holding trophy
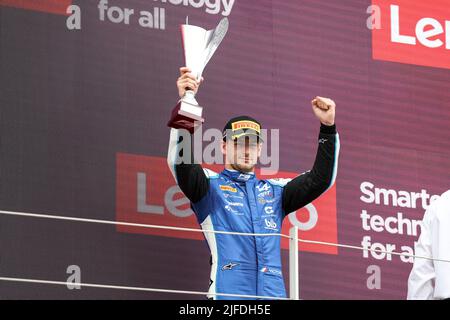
[(187, 81)]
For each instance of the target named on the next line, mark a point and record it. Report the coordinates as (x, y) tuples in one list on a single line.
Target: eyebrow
[(242, 142)]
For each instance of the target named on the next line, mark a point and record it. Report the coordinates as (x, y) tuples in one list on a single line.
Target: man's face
[(242, 154)]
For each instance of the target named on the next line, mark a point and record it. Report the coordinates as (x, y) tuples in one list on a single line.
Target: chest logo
[(264, 187), (270, 224), (268, 210), (229, 266), (228, 188)]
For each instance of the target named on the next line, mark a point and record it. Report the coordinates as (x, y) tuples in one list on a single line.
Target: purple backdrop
[(70, 100)]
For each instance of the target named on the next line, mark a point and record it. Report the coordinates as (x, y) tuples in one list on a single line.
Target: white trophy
[(199, 46)]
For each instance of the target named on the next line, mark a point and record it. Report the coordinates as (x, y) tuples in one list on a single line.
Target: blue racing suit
[(240, 202)]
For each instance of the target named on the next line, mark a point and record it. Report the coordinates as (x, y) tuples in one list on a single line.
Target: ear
[(224, 148), (260, 145)]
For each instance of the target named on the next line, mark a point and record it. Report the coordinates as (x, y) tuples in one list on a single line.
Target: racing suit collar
[(239, 176)]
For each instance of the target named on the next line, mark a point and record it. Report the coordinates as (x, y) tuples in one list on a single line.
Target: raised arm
[(308, 186), (188, 174)]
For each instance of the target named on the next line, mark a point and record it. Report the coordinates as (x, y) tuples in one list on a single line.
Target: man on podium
[(236, 200)]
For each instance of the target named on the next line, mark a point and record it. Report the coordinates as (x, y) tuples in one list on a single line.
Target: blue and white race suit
[(240, 202)]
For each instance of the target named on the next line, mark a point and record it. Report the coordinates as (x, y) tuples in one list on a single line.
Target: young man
[(431, 279), (235, 200)]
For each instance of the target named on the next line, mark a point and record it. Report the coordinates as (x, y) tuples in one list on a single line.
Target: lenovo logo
[(147, 193), (414, 32), (426, 31)]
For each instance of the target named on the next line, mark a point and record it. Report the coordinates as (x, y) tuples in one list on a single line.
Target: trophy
[(199, 46)]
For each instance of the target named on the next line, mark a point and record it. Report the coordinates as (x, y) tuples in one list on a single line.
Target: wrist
[(328, 128)]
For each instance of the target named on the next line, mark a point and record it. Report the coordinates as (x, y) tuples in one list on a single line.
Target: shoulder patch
[(210, 174), (279, 181)]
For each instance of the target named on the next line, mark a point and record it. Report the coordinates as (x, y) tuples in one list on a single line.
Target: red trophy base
[(186, 116)]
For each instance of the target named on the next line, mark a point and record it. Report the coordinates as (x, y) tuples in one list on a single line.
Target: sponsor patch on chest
[(227, 188)]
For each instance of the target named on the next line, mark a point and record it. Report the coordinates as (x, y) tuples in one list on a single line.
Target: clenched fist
[(187, 81), (324, 109)]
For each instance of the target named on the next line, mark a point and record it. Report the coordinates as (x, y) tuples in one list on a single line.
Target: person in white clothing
[(430, 279)]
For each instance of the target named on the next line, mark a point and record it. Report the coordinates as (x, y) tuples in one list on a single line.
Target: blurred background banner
[(86, 90)]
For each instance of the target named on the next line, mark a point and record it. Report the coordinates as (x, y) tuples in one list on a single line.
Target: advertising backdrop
[(85, 95)]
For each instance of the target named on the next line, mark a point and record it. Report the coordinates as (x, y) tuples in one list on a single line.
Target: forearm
[(308, 186), (189, 175)]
